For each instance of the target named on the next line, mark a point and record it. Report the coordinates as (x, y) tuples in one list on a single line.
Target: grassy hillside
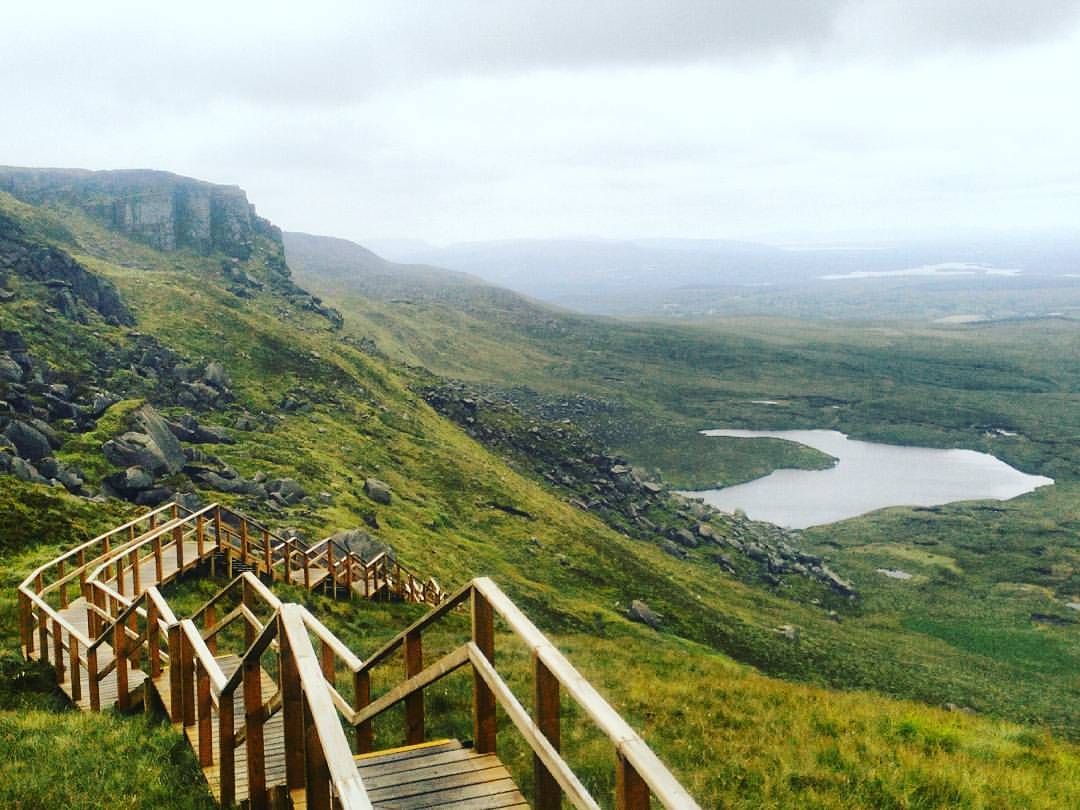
[(329, 412)]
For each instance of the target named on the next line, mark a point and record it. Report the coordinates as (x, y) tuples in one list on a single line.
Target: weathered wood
[(176, 694), (205, 719), (76, 673), (292, 709), (226, 750), (119, 644), (365, 735), (414, 702), (253, 724), (58, 651), (483, 636), (546, 714), (631, 792), (187, 675), (316, 772), (540, 745)]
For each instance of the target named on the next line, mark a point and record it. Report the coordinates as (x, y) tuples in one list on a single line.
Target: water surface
[(867, 476)]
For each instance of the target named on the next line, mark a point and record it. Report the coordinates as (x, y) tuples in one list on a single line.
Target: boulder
[(164, 448), (154, 497), (377, 490), (216, 376), (683, 538), (639, 611), (287, 491), (136, 479), (360, 542), (21, 469), (29, 441), (10, 371)]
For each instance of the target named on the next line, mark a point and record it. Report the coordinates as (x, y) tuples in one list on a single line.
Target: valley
[(540, 447)]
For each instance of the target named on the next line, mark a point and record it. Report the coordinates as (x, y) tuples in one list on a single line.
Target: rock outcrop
[(164, 210)]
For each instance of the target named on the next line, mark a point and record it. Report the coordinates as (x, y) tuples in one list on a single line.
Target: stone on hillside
[(652, 487), (360, 542), (216, 375), (10, 371), (724, 562), (21, 469), (683, 538), (30, 442), (154, 497), (639, 611), (101, 402), (788, 631), (162, 439), (674, 549), (134, 450), (706, 532), (287, 491), (136, 479), (377, 490)]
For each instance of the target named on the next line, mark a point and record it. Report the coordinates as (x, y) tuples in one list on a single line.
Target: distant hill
[(695, 277)]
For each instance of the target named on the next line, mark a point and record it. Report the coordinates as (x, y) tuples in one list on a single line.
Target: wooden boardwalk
[(280, 740)]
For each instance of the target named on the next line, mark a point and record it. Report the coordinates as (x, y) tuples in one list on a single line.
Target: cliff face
[(164, 210)]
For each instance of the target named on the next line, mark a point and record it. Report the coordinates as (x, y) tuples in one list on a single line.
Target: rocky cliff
[(164, 210)]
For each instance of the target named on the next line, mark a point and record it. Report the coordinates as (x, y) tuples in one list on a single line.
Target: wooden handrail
[(336, 753)]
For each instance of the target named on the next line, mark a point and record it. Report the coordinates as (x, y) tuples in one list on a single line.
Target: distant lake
[(866, 477)]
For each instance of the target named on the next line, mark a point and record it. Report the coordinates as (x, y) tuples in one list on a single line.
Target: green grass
[(751, 740)]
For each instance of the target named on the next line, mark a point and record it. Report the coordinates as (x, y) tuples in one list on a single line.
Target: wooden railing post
[(153, 637), (414, 703), (58, 651), (206, 738), (317, 774), (244, 551), (43, 634), (63, 588), (330, 567), (292, 710), (365, 737), (226, 750), (483, 636), (631, 792), (178, 538), (187, 680), (26, 624), (76, 674), (176, 670), (159, 562), (120, 644), (200, 535), (546, 712), (136, 579), (268, 555), (92, 680), (250, 601), (209, 623), (253, 722)]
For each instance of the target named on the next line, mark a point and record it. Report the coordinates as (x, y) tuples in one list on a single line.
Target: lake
[(867, 476)]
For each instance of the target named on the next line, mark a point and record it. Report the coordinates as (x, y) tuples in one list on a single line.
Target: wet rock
[(639, 611), (377, 490)]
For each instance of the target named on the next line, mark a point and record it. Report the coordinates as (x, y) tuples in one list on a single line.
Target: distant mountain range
[(690, 276)]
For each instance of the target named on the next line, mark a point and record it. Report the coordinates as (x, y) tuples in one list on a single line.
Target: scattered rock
[(377, 490), (30, 442), (788, 631), (639, 611), (360, 542)]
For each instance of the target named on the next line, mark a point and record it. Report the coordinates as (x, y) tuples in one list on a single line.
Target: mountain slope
[(232, 342)]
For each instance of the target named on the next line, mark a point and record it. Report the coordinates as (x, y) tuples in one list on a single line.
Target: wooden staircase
[(265, 693)]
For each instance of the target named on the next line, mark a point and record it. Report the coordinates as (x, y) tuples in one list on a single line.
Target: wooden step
[(439, 774)]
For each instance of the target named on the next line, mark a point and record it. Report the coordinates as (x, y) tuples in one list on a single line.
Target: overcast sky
[(781, 120)]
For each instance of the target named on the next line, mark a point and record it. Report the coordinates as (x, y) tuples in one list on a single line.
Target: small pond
[(867, 476)]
